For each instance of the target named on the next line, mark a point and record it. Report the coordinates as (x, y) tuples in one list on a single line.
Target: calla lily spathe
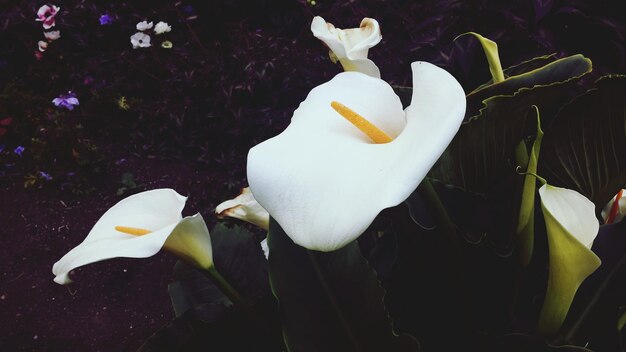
[(350, 46), (245, 207), (138, 227), (571, 229), (324, 181)]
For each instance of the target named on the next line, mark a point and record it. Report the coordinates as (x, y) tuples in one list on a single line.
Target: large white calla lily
[(350, 46), (324, 181), (138, 227), (245, 207), (572, 227)]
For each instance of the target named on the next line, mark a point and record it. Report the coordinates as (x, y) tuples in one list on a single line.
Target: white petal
[(324, 182), (156, 210), (350, 45), (42, 45), (190, 241), (52, 35), (245, 207), (265, 248), (162, 27), (140, 40), (571, 210), (144, 25), (366, 66)]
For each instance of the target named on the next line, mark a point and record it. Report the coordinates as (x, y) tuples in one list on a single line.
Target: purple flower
[(66, 100), (106, 19), (45, 176), (19, 150), (2, 146)]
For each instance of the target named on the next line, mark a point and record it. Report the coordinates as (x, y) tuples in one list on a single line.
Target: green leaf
[(562, 70), (570, 263), (491, 52), (481, 154), (526, 223), (523, 67), (329, 301), (559, 71), (585, 147)]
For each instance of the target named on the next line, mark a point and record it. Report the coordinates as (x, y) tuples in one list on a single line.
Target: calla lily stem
[(227, 289)]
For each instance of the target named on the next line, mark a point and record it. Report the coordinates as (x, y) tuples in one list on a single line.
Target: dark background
[(185, 118)]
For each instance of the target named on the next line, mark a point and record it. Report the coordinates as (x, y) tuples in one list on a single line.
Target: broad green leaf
[(491, 53), (329, 301), (526, 223), (562, 70), (585, 147), (482, 152), (523, 67), (570, 261)]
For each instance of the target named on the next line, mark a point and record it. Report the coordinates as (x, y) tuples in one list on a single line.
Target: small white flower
[(350, 46), (140, 40), (43, 45), (144, 25), (162, 27), (167, 44), (245, 207), (52, 35)]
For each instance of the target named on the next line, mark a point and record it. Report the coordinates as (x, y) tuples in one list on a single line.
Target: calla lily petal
[(322, 179), (350, 46), (245, 207), (157, 212), (572, 227), (190, 241)]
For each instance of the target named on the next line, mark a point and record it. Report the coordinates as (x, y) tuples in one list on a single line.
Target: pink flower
[(46, 15)]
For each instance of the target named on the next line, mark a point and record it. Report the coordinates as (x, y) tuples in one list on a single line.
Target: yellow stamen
[(132, 230), (360, 122)]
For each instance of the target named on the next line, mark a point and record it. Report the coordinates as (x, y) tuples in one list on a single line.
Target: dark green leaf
[(585, 146), (561, 70), (523, 67), (482, 152), (329, 301)]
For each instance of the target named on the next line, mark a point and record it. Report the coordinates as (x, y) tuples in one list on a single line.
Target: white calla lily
[(138, 227), (350, 46), (245, 207), (571, 228), (324, 181)]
